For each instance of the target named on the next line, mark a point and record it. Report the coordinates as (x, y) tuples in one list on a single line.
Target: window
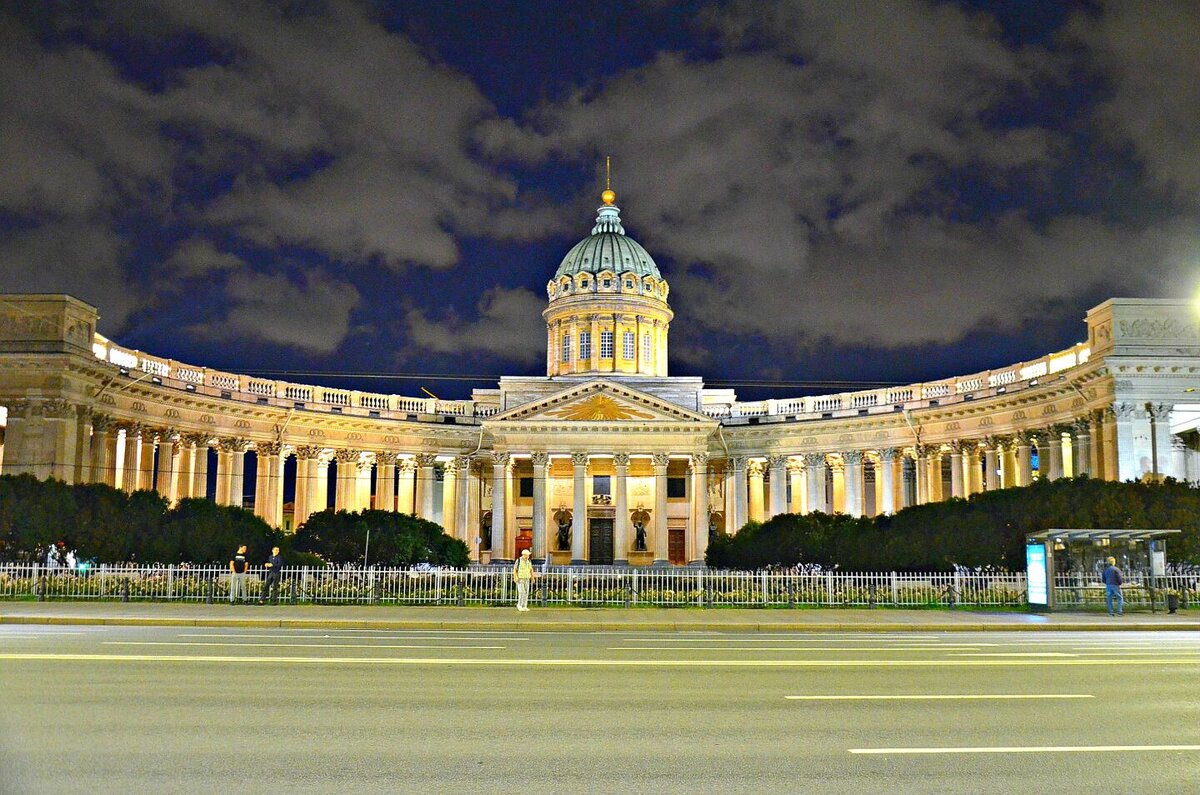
[(646, 347), (585, 345), (607, 283), (676, 488), (583, 284), (629, 345), (606, 344), (566, 348), (526, 487), (628, 285), (602, 485)]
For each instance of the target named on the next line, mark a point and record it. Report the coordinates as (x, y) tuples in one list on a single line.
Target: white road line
[(760, 639), (944, 697), (584, 663), (1010, 654), (1027, 749), (785, 648), (333, 637), (292, 645)]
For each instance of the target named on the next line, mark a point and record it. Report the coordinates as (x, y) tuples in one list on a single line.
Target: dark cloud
[(503, 328)]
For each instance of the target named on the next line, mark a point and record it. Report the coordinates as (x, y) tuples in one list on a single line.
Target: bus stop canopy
[(1099, 535)]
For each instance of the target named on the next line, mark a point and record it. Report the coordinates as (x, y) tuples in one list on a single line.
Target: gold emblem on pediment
[(600, 407)]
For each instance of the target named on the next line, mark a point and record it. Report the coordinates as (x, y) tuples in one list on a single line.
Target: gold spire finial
[(608, 196)]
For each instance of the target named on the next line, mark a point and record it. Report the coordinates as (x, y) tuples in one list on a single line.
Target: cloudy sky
[(852, 191)]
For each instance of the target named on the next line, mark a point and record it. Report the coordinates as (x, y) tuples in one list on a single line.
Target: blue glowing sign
[(1035, 574)]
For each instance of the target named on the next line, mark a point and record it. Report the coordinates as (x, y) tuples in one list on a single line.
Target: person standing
[(523, 576), (274, 573), (1113, 579), (237, 575)]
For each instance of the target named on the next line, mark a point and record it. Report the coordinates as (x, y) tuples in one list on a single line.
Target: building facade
[(607, 459)]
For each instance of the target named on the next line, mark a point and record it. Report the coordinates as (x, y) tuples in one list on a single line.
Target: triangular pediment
[(601, 401)]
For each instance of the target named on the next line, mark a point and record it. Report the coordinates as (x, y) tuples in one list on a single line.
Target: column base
[(621, 562), (697, 564), (660, 563), (500, 562), (578, 562)]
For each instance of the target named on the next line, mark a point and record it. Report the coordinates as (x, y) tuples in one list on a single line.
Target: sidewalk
[(575, 619)]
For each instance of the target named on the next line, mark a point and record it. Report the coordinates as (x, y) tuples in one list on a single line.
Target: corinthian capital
[(660, 459)]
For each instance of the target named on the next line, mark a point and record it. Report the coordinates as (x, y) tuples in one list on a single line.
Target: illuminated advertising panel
[(1035, 574)]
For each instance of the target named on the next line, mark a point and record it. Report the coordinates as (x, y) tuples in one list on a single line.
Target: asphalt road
[(107, 709)]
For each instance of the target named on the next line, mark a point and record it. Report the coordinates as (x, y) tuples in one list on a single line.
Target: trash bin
[(1172, 602)]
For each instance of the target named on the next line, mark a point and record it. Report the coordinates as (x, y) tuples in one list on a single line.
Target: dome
[(608, 248)]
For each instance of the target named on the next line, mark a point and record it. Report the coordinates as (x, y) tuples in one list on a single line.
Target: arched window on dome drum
[(647, 347), (566, 347), (628, 345), (585, 345), (606, 344)]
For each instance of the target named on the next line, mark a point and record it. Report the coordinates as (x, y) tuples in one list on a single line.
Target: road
[(151, 709)]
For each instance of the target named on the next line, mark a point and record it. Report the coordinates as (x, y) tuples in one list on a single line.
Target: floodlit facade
[(606, 459)]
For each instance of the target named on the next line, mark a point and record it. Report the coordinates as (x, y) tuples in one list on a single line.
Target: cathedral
[(607, 459)]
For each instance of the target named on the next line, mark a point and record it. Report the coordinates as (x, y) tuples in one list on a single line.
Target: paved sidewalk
[(575, 619)]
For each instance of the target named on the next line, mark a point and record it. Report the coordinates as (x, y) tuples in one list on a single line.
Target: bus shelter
[(1078, 556)]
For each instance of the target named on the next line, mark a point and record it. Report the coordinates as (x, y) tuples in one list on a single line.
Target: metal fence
[(587, 586)]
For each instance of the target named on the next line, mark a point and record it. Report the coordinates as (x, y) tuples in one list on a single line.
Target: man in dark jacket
[(1113, 578), (274, 573)]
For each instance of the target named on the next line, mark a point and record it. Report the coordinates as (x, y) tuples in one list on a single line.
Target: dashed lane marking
[(787, 648), (1027, 749), (337, 637), (944, 697), (293, 645)]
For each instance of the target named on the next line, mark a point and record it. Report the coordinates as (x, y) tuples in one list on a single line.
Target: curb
[(579, 626)]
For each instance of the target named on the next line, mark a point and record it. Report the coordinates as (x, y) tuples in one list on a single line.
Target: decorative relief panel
[(1160, 329)]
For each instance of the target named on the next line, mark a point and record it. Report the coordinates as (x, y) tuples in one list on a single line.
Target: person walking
[(274, 573), (237, 575), (523, 576), (1113, 578)]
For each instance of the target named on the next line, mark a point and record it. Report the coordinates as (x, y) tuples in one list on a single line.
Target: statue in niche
[(564, 530), (712, 527), (639, 536)]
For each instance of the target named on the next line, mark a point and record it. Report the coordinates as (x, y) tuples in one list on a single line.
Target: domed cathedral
[(605, 459), (608, 309)]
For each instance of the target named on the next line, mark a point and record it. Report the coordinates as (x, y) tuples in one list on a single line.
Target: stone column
[(661, 537), (777, 469), (103, 450), (579, 461), (186, 461), (450, 498), (815, 474), (1120, 457), (500, 465), (699, 465), (477, 472), (621, 541), (237, 473), (273, 494), (1104, 444), (1161, 460), (385, 480), (347, 476), (795, 472), (887, 473), (1081, 447), (754, 476), (740, 491), (934, 460), (853, 500), (922, 473), (425, 477), (406, 490), (306, 474), (1054, 453), (1008, 463), (320, 495), (129, 464), (200, 468), (261, 476), (81, 470), (145, 478), (463, 523), (991, 480), (362, 483), (974, 471), (225, 472), (957, 489), (1024, 468), (540, 461)]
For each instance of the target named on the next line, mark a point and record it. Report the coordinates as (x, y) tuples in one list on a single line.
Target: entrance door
[(676, 551), (600, 541), (524, 541)]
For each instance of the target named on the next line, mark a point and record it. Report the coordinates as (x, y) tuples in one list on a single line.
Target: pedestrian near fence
[(523, 576), (237, 575), (1113, 579), (274, 573)]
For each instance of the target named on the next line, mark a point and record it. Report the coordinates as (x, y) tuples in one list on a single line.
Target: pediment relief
[(600, 401)]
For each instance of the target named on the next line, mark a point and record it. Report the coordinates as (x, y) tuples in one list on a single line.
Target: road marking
[(339, 637), (290, 645), (899, 639), (787, 648), (1027, 749), (1011, 654), (587, 663), (943, 697)]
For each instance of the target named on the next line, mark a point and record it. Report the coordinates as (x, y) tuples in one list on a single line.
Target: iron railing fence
[(581, 586)]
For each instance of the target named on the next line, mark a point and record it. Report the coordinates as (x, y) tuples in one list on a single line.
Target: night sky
[(836, 191)]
